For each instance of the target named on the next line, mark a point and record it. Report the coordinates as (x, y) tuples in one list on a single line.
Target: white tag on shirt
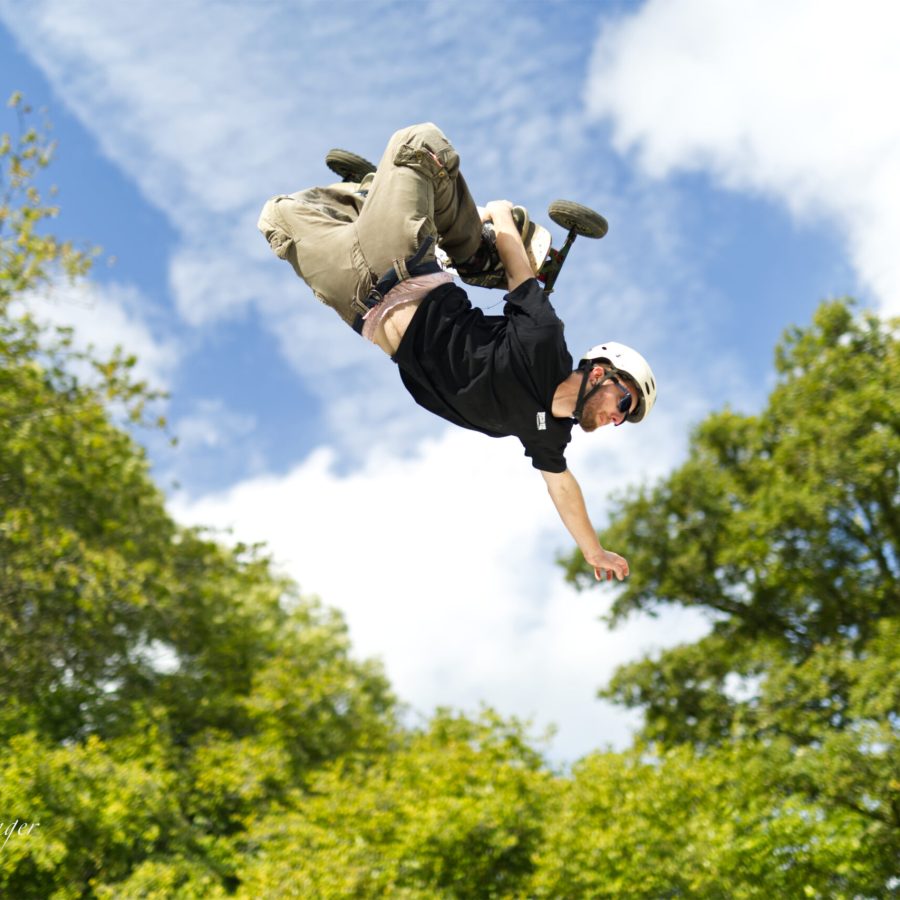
[(542, 421)]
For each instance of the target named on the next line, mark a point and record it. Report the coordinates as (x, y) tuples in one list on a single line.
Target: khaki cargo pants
[(340, 241)]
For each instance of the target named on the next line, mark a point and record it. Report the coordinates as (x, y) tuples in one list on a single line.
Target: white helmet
[(625, 360)]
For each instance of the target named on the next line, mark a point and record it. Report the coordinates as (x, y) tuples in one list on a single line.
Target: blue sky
[(745, 176)]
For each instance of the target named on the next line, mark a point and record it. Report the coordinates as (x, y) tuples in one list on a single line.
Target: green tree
[(156, 686), (454, 811), (718, 825), (784, 527), (28, 256), (98, 815)]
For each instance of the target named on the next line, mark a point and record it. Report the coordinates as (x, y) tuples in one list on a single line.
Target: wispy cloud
[(210, 426), (210, 121), (213, 444), (790, 99)]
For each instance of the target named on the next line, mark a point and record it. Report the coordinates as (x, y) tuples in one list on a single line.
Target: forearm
[(509, 245), (569, 502), (566, 494), (513, 256)]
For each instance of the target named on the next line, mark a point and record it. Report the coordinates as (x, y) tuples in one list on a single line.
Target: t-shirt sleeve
[(547, 456), (530, 301)]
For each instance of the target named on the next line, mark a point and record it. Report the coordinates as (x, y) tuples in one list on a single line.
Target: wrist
[(595, 551)]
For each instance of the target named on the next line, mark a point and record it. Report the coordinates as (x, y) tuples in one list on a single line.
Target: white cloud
[(791, 99), (442, 563), (107, 316)]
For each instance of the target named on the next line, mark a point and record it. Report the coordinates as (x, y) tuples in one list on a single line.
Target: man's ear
[(597, 373)]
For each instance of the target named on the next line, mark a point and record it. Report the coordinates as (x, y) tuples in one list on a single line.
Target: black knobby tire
[(582, 219), (349, 166)]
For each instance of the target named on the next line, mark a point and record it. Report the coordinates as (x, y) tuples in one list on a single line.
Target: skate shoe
[(349, 166)]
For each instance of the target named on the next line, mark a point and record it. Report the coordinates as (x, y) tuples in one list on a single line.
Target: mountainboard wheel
[(348, 165), (580, 219)]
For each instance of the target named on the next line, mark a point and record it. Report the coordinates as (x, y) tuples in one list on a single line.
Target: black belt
[(399, 271)]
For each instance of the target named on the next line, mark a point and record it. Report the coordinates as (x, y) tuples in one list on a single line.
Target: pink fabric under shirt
[(413, 288)]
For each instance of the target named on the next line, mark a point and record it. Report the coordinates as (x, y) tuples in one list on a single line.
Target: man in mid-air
[(367, 249)]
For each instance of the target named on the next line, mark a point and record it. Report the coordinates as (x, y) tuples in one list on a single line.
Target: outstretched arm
[(569, 502)]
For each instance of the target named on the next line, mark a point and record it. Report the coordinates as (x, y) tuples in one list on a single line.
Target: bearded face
[(603, 407)]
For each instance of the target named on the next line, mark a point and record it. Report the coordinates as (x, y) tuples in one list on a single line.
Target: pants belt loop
[(401, 270)]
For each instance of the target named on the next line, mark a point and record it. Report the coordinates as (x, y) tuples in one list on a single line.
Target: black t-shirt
[(493, 374)]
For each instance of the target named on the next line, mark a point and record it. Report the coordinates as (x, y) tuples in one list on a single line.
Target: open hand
[(606, 564)]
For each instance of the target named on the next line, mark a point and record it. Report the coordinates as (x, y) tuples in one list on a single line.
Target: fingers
[(499, 206), (621, 572)]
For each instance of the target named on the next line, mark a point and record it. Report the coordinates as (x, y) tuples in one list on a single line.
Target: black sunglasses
[(624, 404)]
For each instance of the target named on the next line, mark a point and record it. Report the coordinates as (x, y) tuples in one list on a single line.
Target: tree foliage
[(28, 255), (454, 811), (722, 824), (116, 623), (784, 527)]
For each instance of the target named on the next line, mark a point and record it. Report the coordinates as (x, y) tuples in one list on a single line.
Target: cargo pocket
[(430, 154), (279, 241)]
